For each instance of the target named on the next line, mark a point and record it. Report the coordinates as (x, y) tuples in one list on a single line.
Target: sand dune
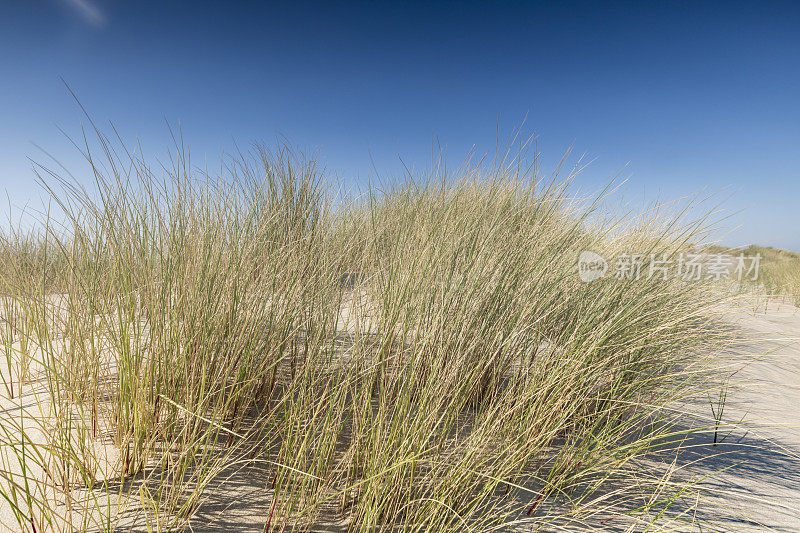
[(754, 473)]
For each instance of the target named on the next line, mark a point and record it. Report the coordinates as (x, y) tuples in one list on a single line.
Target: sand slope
[(756, 469), (760, 488)]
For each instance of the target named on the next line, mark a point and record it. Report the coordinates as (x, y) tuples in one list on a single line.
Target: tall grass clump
[(422, 357)]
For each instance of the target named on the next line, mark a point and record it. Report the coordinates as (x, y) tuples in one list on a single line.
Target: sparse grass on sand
[(779, 273), (422, 357)]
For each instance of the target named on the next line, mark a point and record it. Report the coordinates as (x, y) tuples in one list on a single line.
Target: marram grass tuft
[(419, 358)]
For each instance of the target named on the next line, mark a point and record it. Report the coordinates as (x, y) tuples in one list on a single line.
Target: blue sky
[(679, 97)]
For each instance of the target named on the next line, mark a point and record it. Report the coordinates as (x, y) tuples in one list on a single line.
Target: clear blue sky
[(688, 96)]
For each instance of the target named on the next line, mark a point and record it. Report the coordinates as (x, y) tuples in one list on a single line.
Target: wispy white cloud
[(89, 12)]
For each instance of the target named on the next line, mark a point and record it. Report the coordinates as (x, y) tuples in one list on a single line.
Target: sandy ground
[(755, 470), (759, 488), (29, 412)]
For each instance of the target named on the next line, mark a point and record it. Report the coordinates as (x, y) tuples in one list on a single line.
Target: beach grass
[(421, 356), (779, 270)]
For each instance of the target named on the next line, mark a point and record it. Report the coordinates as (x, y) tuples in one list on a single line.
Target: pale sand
[(758, 490)]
